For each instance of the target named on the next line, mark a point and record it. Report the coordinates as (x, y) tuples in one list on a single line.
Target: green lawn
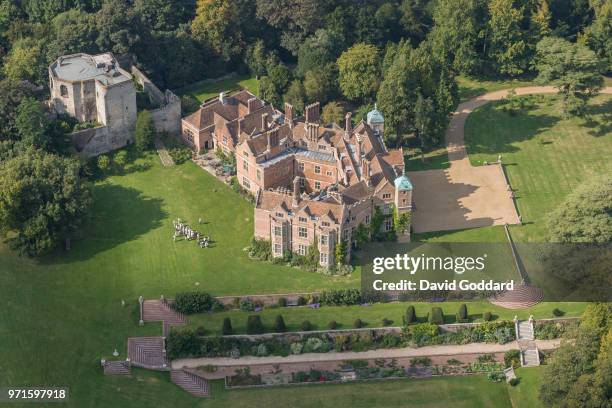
[(468, 392), (207, 89), (545, 156), (373, 315), (525, 394), (432, 160)]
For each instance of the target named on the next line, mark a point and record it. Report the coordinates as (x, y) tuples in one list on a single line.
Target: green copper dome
[(375, 116), (403, 183)]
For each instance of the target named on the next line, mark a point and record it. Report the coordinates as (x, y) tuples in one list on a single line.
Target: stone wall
[(95, 141), (167, 118)]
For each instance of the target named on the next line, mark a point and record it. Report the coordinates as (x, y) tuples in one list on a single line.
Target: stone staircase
[(190, 382), (148, 352), (117, 367), (158, 310), (530, 356)]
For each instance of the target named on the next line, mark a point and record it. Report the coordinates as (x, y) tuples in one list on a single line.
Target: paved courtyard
[(464, 196)]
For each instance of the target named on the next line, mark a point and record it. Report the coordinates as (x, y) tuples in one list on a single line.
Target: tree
[(508, 47), (12, 93), (423, 120), (395, 97), (42, 200), (31, 123), (256, 58), (585, 215), (145, 131), (294, 19), (598, 36), (73, 31), (214, 26), (578, 371), (23, 61), (273, 86), (541, 20), (332, 113), (318, 50), (163, 15), (416, 19), (119, 27), (359, 71), (455, 34), (279, 325), (320, 84), (296, 96), (572, 68)]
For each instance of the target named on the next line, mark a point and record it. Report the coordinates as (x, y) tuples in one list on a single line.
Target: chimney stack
[(240, 121), (253, 104), (289, 114), (264, 122), (296, 192), (312, 112), (348, 124), (365, 165)]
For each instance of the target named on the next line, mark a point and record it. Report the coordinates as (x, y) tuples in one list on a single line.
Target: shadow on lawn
[(500, 134), (603, 126), (119, 215)]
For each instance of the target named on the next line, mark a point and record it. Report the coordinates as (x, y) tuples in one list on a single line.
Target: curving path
[(466, 196)]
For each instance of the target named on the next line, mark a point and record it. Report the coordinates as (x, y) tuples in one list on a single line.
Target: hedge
[(193, 302), (462, 316), (340, 297), (411, 316)]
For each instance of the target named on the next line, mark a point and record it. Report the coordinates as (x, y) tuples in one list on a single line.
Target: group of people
[(182, 229)]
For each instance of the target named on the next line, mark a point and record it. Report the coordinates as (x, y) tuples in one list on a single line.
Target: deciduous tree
[(42, 200), (359, 71)]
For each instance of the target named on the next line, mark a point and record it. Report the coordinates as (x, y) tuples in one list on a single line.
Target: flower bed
[(186, 343)]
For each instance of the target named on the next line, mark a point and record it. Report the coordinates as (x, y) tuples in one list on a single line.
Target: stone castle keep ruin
[(95, 89)]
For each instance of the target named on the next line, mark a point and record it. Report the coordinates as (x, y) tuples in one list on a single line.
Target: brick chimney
[(312, 131), (253, 104), (365, 165), (312, 112), (296, 192), (348, 123), (264, 122), (289, 114), (240, 125)]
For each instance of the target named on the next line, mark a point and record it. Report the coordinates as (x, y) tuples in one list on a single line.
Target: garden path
[(427, 351)]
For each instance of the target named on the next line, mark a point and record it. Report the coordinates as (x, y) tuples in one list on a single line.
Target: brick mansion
[(312, 182)]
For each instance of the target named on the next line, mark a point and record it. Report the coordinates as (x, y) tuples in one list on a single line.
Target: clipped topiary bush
[(227, 329), (279, 324), (282, 302), (306, 325), (487, 316), (358, 324), (436, 316), (200, 331), (462, 315), (557, 312), (332, 325), (410, 316), (386, 322), (192, 302), (301, 301), (255, 325)]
